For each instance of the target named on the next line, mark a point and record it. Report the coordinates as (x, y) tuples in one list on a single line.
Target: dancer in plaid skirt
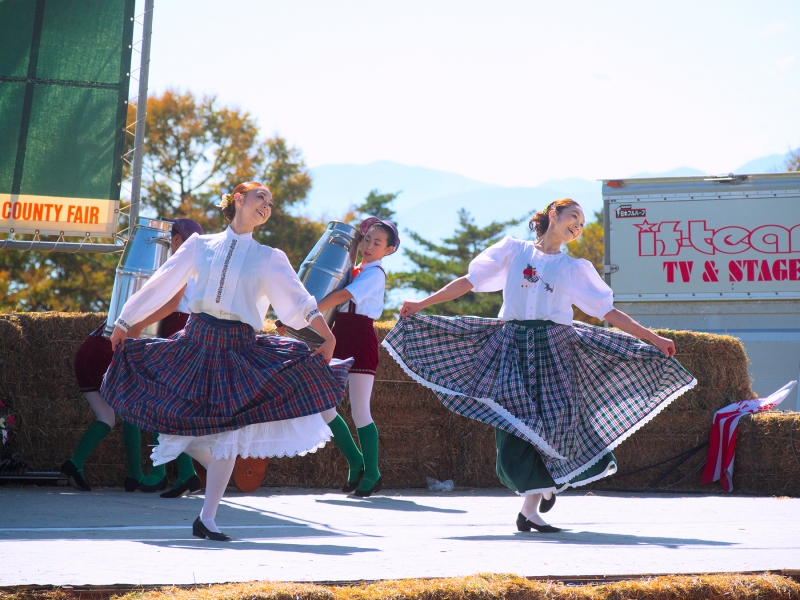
[(217, 390), (560, 394), (92, 361)]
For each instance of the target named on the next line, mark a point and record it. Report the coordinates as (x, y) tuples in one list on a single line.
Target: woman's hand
[(410, 307), (666, 345), (454, 289), (326, 349), (281, 330), (620, 320), (319, 325), (118, 338), (135, 331)]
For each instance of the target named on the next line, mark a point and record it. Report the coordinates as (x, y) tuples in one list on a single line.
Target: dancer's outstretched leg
[(97, 431), (529, 517), (218, 475), (132, 442), (157, 477), (360, 392), (344, 441), (187, 482)]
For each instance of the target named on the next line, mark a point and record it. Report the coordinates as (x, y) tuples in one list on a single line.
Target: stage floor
[(59, 536)]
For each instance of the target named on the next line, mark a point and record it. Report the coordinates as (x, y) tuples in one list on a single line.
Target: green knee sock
[(368, 437), (344, 441), (158, 473), (90, 440), (185, 468), (132, 441)]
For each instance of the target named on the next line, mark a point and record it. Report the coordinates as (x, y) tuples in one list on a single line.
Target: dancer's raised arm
[(454, 289)]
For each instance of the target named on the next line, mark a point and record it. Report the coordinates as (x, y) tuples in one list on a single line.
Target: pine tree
[(438, 264), (376, 205)]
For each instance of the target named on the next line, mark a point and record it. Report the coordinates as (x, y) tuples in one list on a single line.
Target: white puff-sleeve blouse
[(236, 279), (537, 285)]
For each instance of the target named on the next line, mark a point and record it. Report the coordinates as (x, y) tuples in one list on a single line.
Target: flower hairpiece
[(226, 201)]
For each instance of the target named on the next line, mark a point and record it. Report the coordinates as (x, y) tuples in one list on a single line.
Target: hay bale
[(718, 362), (418, 436), (39, 383), (764, 456)]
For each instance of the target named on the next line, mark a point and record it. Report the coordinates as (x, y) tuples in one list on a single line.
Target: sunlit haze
[(510, 93)]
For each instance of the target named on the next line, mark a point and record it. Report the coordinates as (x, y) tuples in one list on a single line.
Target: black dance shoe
[(203, 532), (190, 486), (374, 489), (546, 505), (130, 484), (352, 485), (156, 487), (73, 475), (524, 524)]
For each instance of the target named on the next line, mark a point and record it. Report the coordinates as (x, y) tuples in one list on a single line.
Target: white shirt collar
[(374, 263), (238, 236)]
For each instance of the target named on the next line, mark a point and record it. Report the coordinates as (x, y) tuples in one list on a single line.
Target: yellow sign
[(49, 215)]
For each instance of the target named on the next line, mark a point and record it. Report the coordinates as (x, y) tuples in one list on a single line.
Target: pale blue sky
[(507, 92)]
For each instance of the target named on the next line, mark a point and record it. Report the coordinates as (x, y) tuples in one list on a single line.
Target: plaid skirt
[(215, 377), (574, 392)]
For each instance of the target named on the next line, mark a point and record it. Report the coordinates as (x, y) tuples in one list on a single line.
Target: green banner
[(64, 76)]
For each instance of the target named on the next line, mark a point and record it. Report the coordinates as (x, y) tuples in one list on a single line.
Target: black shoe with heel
[(525, 524), (376, 487), (74, 476), (352, 485), (156, 487), (203, 532), (130, 484), (190, 486), (546, 505)]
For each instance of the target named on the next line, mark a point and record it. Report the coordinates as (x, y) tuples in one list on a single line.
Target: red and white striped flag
[(722, 443)]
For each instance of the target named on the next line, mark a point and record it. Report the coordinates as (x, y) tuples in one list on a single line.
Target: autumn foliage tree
[(195, 150)]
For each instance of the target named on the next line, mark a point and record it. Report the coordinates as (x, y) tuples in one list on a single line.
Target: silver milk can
[(146, 250), (327, 268)]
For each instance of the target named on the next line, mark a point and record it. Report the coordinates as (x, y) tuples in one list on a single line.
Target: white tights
[(218, 474), (530, 507), (360, 391), (100, 407)]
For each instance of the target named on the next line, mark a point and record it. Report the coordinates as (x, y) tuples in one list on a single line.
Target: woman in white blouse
[(218, 390), (560, 394)]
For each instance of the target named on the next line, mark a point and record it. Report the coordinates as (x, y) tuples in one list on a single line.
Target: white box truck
[(715, 254)]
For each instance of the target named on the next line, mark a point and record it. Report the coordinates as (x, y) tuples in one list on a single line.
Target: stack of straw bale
[(37, 379), (418, 436)]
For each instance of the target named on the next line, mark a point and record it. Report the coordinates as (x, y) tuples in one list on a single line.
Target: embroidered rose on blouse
[(530, 276)]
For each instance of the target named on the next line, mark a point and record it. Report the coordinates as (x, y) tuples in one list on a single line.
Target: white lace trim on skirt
[(609, 470), (292, 437)]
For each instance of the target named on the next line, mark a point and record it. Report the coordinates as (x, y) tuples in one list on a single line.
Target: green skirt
[(521, 469)]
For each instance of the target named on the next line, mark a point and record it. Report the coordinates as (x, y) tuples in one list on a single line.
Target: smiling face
[(566, 225), (252, 209), (375, 245)]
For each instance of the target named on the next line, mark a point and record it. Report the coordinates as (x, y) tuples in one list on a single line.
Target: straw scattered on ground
[(478, 587)]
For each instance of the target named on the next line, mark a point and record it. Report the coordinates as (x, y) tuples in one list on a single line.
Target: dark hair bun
[(541, 220)]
